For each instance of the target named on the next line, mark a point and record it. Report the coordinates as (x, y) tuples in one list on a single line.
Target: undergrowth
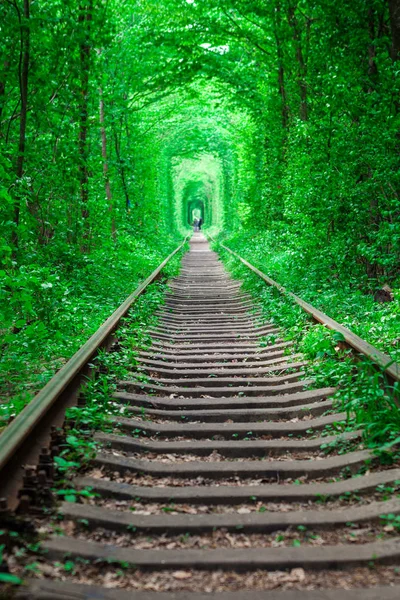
[(108, 368), (48, 313), (338, 290), (83, 421), (370, 402)]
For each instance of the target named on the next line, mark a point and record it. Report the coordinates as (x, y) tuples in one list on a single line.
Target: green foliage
[(98, 402), (342, 299), (47, 316), (6, 577), (71, 495), (391, 520), (278, 120), (376, 406), (363, 392), (9, 578), (318, 342)]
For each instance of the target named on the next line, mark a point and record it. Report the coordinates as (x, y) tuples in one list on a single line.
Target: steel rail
[(16, 433), (390, 367)]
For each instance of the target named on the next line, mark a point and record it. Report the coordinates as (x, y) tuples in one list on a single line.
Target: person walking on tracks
[(200, 223), (196, 224)]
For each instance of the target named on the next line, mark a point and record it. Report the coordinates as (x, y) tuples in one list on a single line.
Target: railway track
[(213, 480)]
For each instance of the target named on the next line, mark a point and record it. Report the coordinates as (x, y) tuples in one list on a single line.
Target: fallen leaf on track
[(182, 574)]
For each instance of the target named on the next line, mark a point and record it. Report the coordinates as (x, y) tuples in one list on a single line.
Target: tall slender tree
[(23, 77)]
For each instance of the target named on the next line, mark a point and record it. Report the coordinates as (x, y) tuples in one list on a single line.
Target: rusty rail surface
[(390, 367), (30, 418)]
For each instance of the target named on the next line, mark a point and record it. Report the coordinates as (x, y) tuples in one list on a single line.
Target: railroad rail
[(213, 482)]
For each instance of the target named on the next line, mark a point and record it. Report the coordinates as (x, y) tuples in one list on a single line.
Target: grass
[(344, 295), (370, 401), (45, 326), (109, 367)]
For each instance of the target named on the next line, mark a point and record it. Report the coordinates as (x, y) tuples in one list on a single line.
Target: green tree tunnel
[(278, 121)]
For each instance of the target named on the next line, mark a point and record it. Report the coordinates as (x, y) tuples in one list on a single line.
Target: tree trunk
[(84, 19), (105, 163), (394, 12), (301, 65), (121, 169), (6, 64), (281, 70), (23, 87), (3, 87), (372, 66)]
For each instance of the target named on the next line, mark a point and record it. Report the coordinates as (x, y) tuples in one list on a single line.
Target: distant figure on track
[(200, 223), (196, 225)]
